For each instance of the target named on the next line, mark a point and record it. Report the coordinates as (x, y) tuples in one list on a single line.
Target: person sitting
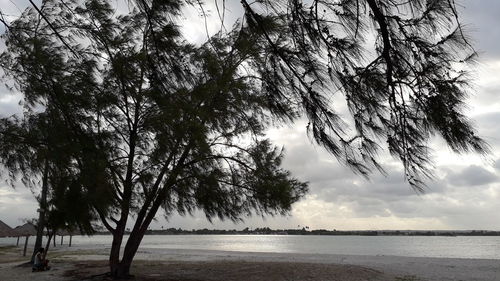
[(41, 263)]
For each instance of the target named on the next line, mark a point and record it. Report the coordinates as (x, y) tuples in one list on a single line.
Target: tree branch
[(54, 29)]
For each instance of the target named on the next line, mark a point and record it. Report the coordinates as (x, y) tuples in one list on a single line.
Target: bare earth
[(196, 265)]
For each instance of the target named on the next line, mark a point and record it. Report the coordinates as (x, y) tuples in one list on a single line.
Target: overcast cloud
[(465, 193)]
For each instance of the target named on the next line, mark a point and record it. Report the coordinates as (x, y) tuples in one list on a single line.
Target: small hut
[(5, 230), (26, 230)]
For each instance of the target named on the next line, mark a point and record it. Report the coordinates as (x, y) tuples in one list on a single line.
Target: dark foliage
[(402, 67)]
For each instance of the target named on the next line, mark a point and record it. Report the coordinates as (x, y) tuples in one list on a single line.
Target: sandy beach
[(83, 263)]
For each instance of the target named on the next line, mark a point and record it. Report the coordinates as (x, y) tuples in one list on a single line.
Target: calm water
[(412, 246)]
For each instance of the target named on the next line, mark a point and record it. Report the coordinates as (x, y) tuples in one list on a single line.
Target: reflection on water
[(485, 247)]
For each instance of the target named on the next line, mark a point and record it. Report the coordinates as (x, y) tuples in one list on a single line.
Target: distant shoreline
[(268, 231)]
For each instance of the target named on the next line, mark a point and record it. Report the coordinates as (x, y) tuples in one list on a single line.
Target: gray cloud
[(9, 103), (16, 204), (481, 21), (472, 176), (497, 165), (489, 93), (487, 125)]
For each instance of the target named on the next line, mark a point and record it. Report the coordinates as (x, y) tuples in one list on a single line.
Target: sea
[(468, 247)]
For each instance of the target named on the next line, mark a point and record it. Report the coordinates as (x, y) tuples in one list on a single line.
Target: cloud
[(197, 23), (472, 176), (481, 21), (487, 125), (9, 103), (16, 205), (497, 165)]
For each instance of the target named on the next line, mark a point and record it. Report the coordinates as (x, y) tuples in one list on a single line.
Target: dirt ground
[(230, 271), (13, 267), (80, 264)]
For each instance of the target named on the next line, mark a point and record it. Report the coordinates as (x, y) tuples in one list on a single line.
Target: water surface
[(477, 247)]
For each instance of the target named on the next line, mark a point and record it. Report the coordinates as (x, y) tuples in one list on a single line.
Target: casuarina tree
[(157, 122), (34, 151)]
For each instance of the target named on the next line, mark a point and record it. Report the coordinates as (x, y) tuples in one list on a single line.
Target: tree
[(31, 150), (24, 153), (152, 120), (402, 67), (158, 122)]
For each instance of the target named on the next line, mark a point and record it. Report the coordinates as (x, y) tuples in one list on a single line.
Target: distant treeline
[(304, 231)]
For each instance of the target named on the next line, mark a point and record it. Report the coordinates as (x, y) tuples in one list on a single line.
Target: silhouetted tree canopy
[(401, 66), (151, 120), (34, 151)]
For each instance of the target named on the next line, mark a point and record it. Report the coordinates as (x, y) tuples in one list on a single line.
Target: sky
[(465, 193)]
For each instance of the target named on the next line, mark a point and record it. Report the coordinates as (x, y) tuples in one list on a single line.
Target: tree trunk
[(47, 246), (62, 237), (70, 238), (114, 255), (121, 270), (41, 214)]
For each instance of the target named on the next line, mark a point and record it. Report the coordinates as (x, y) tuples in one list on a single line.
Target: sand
[(81, 263)]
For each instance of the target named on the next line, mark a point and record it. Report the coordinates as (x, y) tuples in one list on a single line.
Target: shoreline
[(316, 266)]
